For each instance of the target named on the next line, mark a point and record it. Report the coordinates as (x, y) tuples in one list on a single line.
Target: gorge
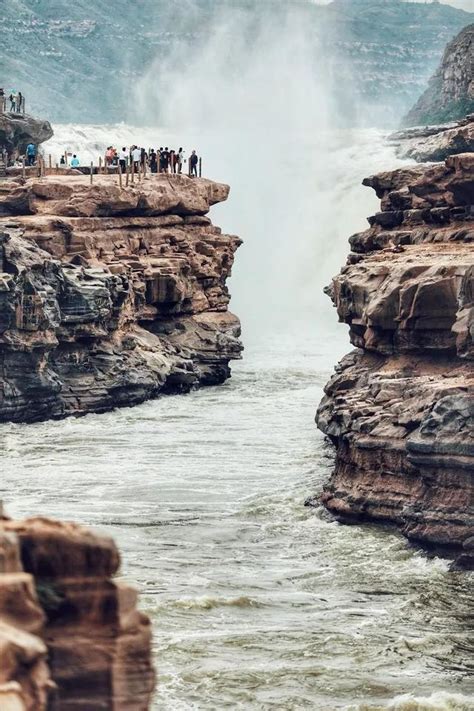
[(254, 599), (118, 295)]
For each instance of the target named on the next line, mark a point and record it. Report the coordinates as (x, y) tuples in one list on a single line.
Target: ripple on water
[(257, 602)]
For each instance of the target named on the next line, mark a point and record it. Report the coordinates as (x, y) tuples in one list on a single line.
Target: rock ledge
[(110, 296)]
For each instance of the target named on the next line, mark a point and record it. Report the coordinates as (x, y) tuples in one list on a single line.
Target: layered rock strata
[(70, 636), (111, 296), (400, 408), (450, 93)]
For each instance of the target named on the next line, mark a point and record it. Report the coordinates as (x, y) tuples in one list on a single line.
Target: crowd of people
[(161, 160), (14, 102)]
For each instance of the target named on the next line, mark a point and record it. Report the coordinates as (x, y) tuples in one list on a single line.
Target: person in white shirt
[(123, 157), (136, 157), (181, 160)]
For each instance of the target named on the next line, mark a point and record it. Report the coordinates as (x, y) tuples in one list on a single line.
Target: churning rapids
[(258, 602)]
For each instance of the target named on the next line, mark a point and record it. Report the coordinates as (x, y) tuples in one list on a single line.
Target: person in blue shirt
[(30, 154), (74, 161)]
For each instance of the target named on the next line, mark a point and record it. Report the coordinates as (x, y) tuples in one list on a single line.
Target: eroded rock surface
[(450, 92), (17, 130), (111, 296), (70, 636), (436, 143), (400, 408)]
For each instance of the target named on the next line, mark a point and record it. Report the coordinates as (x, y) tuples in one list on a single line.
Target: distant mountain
[(80, 61), (450, 93)]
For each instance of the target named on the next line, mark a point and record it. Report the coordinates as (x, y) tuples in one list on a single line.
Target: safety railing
[(42, 166)]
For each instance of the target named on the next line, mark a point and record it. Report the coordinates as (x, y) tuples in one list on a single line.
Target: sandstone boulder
[(70, 636), (17, 130)]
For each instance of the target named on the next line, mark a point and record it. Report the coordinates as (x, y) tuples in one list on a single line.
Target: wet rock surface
[(70, 636), (400, 408), (109, 297), (435, 143)]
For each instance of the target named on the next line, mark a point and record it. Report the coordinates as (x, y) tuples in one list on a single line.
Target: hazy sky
[(463, 4)]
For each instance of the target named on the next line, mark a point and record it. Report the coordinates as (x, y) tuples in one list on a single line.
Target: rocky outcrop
[(17, 130), (70, 635), (111, 296), (400, 408), (450, 93), (435, 143)]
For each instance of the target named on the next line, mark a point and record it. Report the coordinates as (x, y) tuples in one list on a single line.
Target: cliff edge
[(110, 296), (400, 408)]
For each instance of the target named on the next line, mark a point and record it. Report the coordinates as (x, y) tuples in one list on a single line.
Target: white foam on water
[(204, 493), (438, 701)]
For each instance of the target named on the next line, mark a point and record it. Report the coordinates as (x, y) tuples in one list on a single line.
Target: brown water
[(257, 602)]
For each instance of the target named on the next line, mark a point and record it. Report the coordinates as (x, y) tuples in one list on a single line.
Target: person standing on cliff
[(30, 154), (153, 161), (123, 159), (193, 164), (164, 159), (181, 160), (136, 157), (109, 155), (19, 102), (75, 163)]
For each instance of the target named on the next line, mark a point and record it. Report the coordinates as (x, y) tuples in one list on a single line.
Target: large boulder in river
[(17, 130)]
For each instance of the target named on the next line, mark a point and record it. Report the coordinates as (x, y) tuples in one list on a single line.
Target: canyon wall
[(110, 296), (400, 408), (71, 637), (450, 92)]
